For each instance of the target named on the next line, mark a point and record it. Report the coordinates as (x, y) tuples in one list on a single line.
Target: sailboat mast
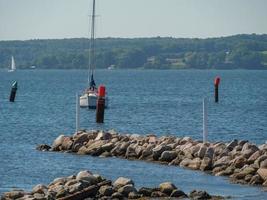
[(92, 48)]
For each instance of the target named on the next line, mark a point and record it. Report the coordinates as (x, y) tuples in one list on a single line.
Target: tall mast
[(92, 50)]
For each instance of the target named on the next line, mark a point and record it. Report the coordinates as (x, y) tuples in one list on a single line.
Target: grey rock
[(126, 189), (40, 188), (178, 193), (232, 144), (43, 147), (167, 188), (168, 156), (103, 136), (121, 181), (66, 144), (105, 190), (58, 142), (38, 196), (15, 194), (206, 164), (199, 195), (86, 176), (158, 150), (146, 192)]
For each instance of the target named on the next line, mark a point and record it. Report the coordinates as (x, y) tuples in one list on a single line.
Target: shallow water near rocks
[(143, 102)]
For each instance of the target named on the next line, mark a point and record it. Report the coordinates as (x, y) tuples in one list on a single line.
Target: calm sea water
[(143, 102)]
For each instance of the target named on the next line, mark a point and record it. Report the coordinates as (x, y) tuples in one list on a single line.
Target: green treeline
[(239, 51)]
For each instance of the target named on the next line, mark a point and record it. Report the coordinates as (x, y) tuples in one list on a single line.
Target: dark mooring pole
[(13, 91), (100, 105), (216, 86)]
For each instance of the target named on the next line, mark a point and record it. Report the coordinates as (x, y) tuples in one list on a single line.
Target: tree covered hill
[(233, 52)]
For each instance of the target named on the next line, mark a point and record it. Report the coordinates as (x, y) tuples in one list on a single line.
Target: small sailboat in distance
[(90, 95), (13, 65)]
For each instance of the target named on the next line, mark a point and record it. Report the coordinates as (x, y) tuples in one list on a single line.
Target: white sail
[(13, 64)]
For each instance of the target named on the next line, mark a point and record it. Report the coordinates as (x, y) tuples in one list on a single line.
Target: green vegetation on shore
[(233, 52)]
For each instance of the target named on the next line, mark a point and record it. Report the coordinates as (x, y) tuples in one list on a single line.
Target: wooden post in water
[(216, 92), (205, 120), (100, 105), (77, 113), (13, 91)]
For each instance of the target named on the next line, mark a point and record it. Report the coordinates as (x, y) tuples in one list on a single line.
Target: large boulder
[(167, 188), (15, 194), (40, 188), (120, 148), (254, 156), (103, 136), (239, 162), (256, 180), (126, 189), (145, 192), (58, 142), (206, 164), (105, 190), (178, 194), (108, 146), (225, 160), (132, 151), (66, 144), (199, 195), (158, 150), (86, 176), (76, 187), (263, 173), (79, 141), (260, 159), (185, 162), (263, 164), (248, 146), (147, 152), (95, 148), (122, 181), (194, 164), (168, 156), (232, 145)]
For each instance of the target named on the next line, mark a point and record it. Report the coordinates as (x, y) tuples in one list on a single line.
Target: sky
[(53, 19)]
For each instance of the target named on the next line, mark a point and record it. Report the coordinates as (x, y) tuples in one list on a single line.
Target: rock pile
[(86, 185), (242, 161)]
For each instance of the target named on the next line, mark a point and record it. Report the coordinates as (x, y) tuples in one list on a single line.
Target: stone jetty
[(242, 161), (88, 186)]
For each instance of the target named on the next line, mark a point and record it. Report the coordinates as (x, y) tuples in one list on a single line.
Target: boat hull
[(90, 101)]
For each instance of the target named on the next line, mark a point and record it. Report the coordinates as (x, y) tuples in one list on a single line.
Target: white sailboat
[(13, 65), (90, 95)]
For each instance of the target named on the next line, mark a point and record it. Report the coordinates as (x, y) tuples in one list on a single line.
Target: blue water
[(143, 102)]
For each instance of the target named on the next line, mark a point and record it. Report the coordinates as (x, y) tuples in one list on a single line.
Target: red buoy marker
[(216, 85), (100, 105)]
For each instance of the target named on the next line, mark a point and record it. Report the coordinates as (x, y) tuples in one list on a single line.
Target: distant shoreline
[(246, 50)]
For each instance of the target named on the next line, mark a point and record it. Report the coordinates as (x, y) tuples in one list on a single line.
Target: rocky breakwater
[(86, 185), (242, 161)]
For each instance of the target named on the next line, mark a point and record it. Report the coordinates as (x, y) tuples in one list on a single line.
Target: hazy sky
[(41, 19)]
